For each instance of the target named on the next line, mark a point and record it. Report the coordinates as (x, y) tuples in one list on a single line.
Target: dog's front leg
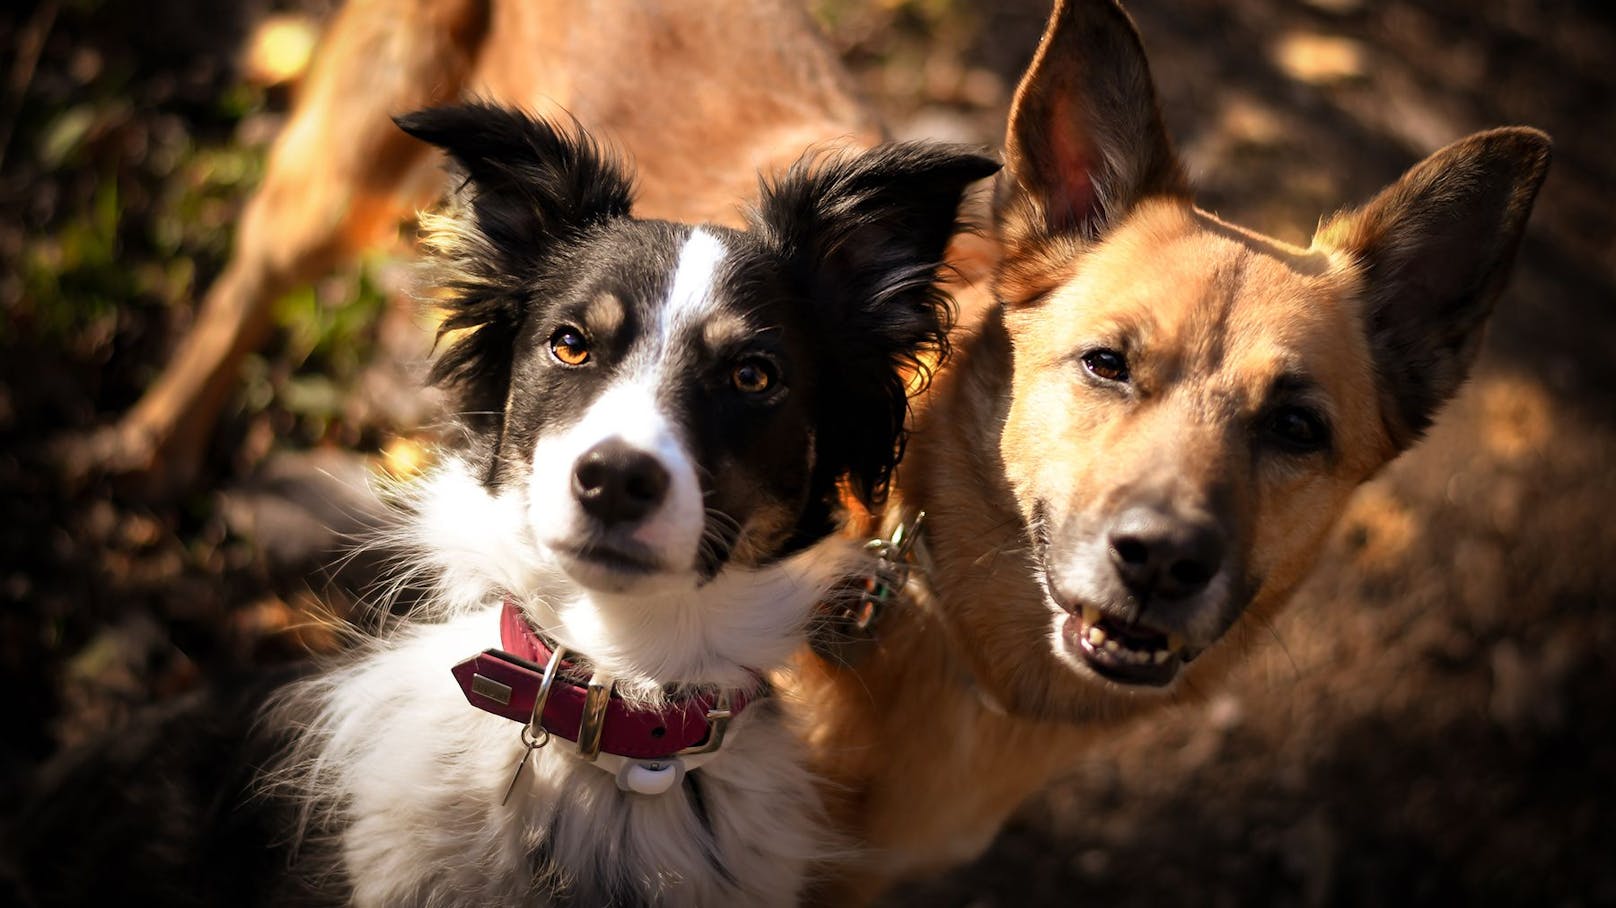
[(339, 177)]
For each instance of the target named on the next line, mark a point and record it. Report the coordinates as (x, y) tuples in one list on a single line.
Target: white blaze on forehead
[(692, 294), (632, 409)]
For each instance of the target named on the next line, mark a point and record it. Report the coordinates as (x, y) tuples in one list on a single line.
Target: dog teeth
[(1099, 641), (1131, 656)]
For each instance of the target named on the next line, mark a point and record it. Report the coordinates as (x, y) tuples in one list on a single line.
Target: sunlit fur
[(407, 778), (1029, 463), (398, 780)]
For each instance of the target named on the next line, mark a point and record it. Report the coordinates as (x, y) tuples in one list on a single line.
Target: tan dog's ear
[(1435, 249), (1085, 143)]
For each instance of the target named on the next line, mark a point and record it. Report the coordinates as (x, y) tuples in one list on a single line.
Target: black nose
[(1159, 556), (617, 483)]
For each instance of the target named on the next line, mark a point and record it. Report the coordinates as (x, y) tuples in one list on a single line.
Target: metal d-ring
[(535, 734)]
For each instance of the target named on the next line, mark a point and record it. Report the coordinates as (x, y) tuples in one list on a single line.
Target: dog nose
[(1164, 557), (615, 482)]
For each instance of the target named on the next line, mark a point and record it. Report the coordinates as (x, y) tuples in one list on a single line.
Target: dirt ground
[(1433, 721)]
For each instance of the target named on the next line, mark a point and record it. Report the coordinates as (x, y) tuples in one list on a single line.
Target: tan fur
[(972, 701), (914, 743)]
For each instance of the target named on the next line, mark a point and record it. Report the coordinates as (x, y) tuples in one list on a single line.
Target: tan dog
[(1138, 455)]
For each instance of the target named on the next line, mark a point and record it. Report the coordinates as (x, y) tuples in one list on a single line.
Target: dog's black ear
[(529, 185), (1084, 145), (864, 237), (1434, 250), (528, 180)]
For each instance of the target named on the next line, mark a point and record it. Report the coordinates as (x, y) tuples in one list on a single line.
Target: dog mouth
[(1124, 653), (1116, 649), (611, 558)]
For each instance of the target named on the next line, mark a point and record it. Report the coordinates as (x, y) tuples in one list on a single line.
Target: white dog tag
[(650, 777)]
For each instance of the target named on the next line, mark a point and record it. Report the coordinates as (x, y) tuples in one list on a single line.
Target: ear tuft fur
[(864, 236), (529, 185)]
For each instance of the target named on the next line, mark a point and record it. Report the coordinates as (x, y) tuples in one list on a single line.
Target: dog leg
[(339, 178)]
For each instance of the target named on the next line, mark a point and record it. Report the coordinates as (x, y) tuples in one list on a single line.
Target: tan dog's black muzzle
[(1160, 557)]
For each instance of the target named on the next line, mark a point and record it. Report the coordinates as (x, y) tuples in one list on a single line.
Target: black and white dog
[(658, 418)]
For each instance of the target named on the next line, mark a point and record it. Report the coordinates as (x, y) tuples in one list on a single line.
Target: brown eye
[(752, 376), (1105, 364), (568, 346), (1297, 429)]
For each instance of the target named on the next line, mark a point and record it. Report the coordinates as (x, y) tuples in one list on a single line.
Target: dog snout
[(1163, 557), (615, 482)]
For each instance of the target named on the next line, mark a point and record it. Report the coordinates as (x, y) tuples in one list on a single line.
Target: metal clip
[(846, 629), (717, 723), (893, 575)]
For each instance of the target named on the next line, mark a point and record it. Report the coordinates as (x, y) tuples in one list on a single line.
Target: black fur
[(529, 186), (843, 251), (865, 236)]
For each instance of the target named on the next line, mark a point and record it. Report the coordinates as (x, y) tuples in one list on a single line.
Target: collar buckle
[(893, 573), (529, 682), (596, 698), (718, 719)]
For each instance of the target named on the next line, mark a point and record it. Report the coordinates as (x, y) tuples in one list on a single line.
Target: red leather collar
[(506, 682)]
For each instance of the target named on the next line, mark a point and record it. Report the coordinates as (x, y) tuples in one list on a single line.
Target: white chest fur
[(411, 778)]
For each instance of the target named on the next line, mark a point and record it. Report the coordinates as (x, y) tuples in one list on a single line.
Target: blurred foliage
[(73, 278), (87, 264), (127, 170), (329, 334)]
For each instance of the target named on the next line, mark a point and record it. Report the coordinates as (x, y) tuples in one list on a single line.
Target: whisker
[(1273, 630), (714, 515)]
